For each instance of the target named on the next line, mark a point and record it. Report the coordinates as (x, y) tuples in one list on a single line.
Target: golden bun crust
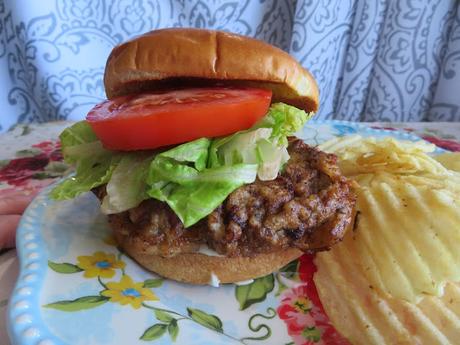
[(194, 57), (197, 268)]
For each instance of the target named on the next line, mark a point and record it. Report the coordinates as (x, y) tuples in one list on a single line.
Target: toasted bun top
[(192, 57)]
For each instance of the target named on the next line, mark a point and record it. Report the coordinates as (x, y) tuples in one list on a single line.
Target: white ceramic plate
[(75, 287)]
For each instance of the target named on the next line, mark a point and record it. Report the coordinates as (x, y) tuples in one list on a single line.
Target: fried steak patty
[(308, 206)]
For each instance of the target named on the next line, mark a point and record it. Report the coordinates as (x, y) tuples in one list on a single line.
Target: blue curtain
[(394, 60)]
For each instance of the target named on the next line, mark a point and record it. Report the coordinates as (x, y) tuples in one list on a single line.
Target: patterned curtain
[(386, 60)]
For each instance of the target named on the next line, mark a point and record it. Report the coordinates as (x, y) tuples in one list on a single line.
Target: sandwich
[(194, 159)]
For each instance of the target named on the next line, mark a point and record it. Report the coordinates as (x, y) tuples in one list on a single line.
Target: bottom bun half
[(197, 268)]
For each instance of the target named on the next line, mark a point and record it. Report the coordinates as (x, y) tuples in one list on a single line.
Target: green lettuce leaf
[(180, 178), (93, 164), (272, 157), (250, 147), (79, 133), (284, 120), (89, 174), (127, 187), (79, 141), (264, 144)]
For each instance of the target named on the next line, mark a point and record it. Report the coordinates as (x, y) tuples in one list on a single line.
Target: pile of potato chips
[(394, 279)]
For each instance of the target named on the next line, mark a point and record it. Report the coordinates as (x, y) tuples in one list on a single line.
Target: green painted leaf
[(173, 329), (86, 302), (163, 316), (153, 283), (154, 332), (281, 286), (205, 319), (291, 269), (4, 162), (31, 152), (26, 129), (64, 267), (255, 292)]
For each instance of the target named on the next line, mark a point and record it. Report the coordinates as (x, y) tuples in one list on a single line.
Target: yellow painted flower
[(99, 264), (128, 292)]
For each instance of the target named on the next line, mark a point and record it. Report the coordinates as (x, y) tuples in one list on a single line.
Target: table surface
[(32, 153)]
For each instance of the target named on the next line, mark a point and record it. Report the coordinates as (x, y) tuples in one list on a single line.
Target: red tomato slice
[(148, 121)]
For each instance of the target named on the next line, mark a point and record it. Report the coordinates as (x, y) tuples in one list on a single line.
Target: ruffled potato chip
[(407, 239), (365, 315), (369, 155)]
